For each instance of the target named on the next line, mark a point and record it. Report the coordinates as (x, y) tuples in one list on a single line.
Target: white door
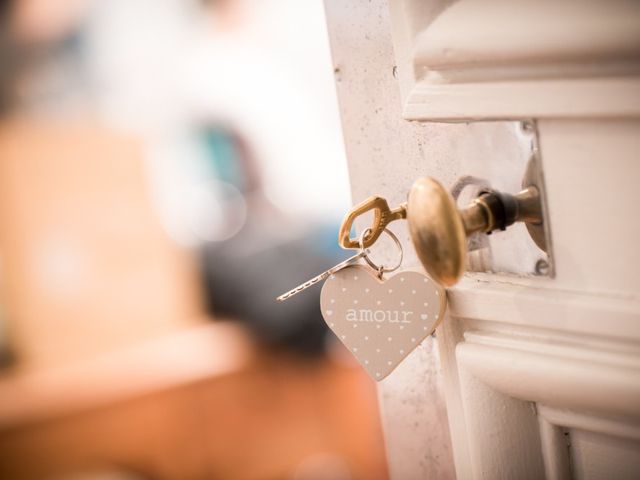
[(535, 371)]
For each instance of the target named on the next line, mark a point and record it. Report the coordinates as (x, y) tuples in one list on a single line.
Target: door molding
[(490, 59), (535, 394)]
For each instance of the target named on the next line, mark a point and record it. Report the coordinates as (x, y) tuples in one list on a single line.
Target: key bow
[(382, 216)]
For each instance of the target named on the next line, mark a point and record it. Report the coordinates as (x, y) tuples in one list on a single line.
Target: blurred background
[(167, 168)]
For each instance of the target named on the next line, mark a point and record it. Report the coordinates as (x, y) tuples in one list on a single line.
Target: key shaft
[(309, 283)]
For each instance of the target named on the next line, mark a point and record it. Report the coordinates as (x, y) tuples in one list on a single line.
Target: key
[(349, 261)]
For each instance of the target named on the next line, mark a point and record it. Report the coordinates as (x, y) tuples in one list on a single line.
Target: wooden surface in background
[(260, 422)]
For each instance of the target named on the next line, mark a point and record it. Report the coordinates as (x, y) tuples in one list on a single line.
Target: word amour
[(380, 316)]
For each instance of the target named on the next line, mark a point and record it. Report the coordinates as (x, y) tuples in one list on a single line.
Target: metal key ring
[(380, 269)]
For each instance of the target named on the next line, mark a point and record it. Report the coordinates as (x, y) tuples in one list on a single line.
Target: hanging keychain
[(379, 320)]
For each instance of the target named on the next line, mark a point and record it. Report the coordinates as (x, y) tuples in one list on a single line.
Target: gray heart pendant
[(381, 321)]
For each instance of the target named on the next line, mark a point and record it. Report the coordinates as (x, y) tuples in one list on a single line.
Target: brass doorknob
[(439, 230)]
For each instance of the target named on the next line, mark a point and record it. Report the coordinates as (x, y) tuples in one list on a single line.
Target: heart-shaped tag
[(381, 322)]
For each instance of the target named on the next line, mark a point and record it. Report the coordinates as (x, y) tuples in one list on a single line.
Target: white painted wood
[(545, 378), (483, 59), (389, 153), (555, 450), (415, 417), (541, 375), (475, 34), (502, 432), (613, 97), (517, 302), (609, 426), (598, 457), (589, 446), (591, 169)]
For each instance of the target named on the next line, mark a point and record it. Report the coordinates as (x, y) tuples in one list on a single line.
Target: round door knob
[(439, 230)]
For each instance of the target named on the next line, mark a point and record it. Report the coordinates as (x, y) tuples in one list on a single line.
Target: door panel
[(531, 375)]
